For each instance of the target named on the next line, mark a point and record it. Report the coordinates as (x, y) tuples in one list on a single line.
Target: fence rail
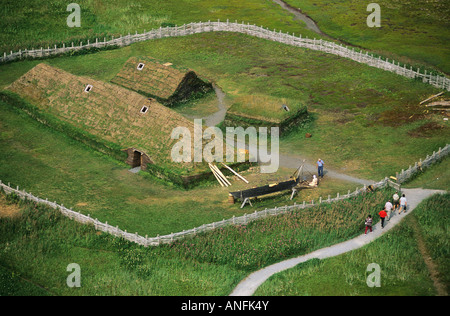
[(436, 80), (241, 220)]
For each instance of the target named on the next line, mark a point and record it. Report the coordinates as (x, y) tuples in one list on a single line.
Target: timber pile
[(439, 105), (223, 181)]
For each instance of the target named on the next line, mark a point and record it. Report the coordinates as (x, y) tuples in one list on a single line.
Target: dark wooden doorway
[(136, 160)]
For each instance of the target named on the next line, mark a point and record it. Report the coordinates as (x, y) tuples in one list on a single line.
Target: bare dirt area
[(426, 130), (403, 115), (6, 209)]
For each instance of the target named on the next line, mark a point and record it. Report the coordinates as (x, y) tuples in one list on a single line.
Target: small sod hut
[(167, 83), (266, 111), (140, 126)]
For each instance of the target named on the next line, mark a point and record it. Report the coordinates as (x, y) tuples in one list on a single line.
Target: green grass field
[(364, 122), (28, 24), (413, 32), (369, 106), (53, 166)]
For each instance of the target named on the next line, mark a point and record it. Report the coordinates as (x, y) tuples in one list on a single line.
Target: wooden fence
[(436, 80), (241, 220)]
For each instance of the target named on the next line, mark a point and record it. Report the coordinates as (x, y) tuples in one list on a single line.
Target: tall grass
[(269, 240), (403, 269), (38, 245)]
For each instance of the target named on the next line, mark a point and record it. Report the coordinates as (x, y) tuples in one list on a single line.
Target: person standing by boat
[(320, 164)]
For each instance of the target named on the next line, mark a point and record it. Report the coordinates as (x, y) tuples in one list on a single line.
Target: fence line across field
[(438, 81), (241, 220)]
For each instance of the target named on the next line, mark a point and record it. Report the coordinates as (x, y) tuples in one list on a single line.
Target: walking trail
[(299, 15), (249, 285)]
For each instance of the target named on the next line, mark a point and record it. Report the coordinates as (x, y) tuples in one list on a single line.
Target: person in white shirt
[(314, 181), (396, 201), (388, 207), (403, 204)]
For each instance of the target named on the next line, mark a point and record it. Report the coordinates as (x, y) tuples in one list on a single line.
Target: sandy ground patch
[(7, 210)]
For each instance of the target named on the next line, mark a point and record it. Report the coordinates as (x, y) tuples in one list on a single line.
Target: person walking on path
[(403, 204), (388, 207), (383, 215), (368, 224), (396, 199), (320, 164)]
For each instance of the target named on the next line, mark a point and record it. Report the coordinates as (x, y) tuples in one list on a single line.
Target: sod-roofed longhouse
[(167, 83), (266, 111), (140, 126)]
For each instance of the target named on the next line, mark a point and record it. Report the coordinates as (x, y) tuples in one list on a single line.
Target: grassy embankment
[(404, 256), (37, 244)]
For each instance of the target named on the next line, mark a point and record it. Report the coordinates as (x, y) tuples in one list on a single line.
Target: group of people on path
[(399, 203), (389, 209)]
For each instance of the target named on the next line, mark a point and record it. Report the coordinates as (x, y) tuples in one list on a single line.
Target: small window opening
[(144, 109), (140, 66), (88, 88)]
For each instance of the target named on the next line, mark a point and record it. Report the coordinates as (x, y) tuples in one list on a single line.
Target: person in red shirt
[(383, 215)]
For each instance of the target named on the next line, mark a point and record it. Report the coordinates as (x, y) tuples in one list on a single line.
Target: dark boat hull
[(266, 189)]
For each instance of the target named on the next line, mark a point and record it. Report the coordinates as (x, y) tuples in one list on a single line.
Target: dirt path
[(219, 116), (299, 15), (432, 268), (249, 285)]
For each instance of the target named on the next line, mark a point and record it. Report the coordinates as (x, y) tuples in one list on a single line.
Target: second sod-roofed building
[(167, 83)]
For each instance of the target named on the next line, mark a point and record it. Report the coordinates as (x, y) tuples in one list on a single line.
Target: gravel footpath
[(249, 285)]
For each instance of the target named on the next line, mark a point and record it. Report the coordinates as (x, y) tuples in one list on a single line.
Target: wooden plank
[(432, 97), (221, 174), (439, 103), (440, 109), (217, 178), (241, 177)]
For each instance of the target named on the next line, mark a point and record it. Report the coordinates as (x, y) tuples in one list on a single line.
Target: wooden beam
[(440, 109), (241, 177), (432, 97), (217, 178), (439, 103), (221, 174)]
